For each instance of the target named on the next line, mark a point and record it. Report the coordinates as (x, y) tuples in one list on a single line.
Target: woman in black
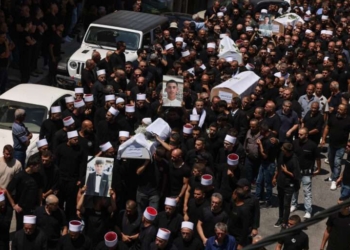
[(28, 43)]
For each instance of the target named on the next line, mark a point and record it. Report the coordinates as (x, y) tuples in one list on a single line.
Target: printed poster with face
[(99, 176), (265, 24), (172, 92)]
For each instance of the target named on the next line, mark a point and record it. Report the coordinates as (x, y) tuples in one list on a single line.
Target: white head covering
[(119, 100), (69, 99), (232, 159), (141, 97), (324, 17), (109, 98), (111, 239), (250, 66), (72, 134), (263, 11), (329, 32), (222, 36), (113, 111), (124, 134), (67, 121), (211, 45), (170, 202), (308, 12), (79, 104), (129, 108), (89, 98), (249, 28), (29, 219), (79, 90), (163, 233), (75, 226), (194, 117), (147, 121), (150, 213), (206, 180), (220, 14), (325, 58), (169, 46), (105, 147), (187, 129), (230, 139), (41, 143), (184, 45), (101, 72), (2, 196), (179, 39), (229, 59), (185, 53), (308, 31), (187, 224), (55, 109)]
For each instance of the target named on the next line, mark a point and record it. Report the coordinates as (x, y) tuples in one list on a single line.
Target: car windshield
[(35, 115), (109, 37)]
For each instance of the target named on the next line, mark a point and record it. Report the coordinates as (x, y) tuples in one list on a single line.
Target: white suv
[(136, 29)]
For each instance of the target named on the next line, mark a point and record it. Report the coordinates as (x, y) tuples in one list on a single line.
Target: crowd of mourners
[(204, 186)]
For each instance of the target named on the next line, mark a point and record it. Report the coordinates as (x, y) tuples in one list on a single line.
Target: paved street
[(323, 197)]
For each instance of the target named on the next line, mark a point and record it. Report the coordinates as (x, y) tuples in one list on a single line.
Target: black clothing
[(172, 223), (50, 176), (307, 153), (239, 223), (146, 236), (176, 178), (273, 122), (100, 115), (35, 241), (339, 129), (82, 243), (59, 138), (120, 246), (117, 60), (284, 180), (194, 210), (48, 129), (296, 241), (209, 219), (339, 236), (239, 121), (193, 244), (87, 78), (89, 144), (314, 122)]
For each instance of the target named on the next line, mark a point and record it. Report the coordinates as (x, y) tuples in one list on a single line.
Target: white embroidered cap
[(55, 109), (29, 219), (72, 134), (41, 143), (150, 213), (111, 239), (230, 139), (105, 147)]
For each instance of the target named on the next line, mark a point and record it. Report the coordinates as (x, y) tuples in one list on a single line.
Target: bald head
[(86, 123), (51, 199)]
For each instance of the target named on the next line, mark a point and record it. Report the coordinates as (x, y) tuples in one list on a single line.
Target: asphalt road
[(323, 197)]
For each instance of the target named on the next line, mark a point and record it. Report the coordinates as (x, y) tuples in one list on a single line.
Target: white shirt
[(97, 184), (173, 103)]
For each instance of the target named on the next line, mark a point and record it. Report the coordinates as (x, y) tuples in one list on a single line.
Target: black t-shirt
[(339, 129), (176, 178), (193, 244), (284, 180), (297, 241), (270, 149), (339, 236), (314, 122), (239, 223), (273, 122), (209, 219), (346, 172), (55, 41), (148, 180), (307, 153), (3, 61), (194, 210)]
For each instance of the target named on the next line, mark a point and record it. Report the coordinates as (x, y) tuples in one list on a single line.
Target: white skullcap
[(119, 100), (163, 233), (109, 98), (308, 12), (79, 104), (187, 129), (249, 28), (323, 32), (222, 36), (79, 90), (2, 196), (141, 97), (308, 31), (329, 32), (263, 11), (220, 14), (187, 224), (325, 58), (169, 46), (194, 117), (230, 139), (69, 99), (72, 134), (307, 18), (206, 180), (229, 59), (75, 226), (211, 45), (185, 53), (323, 17), (129, 108), (111, 239), (232, 159), (124, 134), (105, 147), (89, 98), (170, 202), (55, 109), (179, 39), (113, 111), (29, 219), (101, 72), (147, 121), (150, 213), (250, 66), (41, 143), (184, 45), (67, 121)]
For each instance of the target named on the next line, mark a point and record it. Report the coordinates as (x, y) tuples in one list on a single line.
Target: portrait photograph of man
[(172, 93), (99, 177), (265, 26)]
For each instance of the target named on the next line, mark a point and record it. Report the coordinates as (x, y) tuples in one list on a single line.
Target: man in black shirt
[(28, 187), (307, 152), (55, 53), (344, 178), (297, 240), (287, 178), (51, 125), (338, 128), (88, 76), (49, 173), (313, 121), (117, 59), (337, 233), (187, 241)]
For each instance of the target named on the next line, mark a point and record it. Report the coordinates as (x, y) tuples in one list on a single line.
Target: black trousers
[(284, 202), (68, 198)]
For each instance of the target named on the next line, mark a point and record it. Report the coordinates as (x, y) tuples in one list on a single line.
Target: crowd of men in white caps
[(195, 191)]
